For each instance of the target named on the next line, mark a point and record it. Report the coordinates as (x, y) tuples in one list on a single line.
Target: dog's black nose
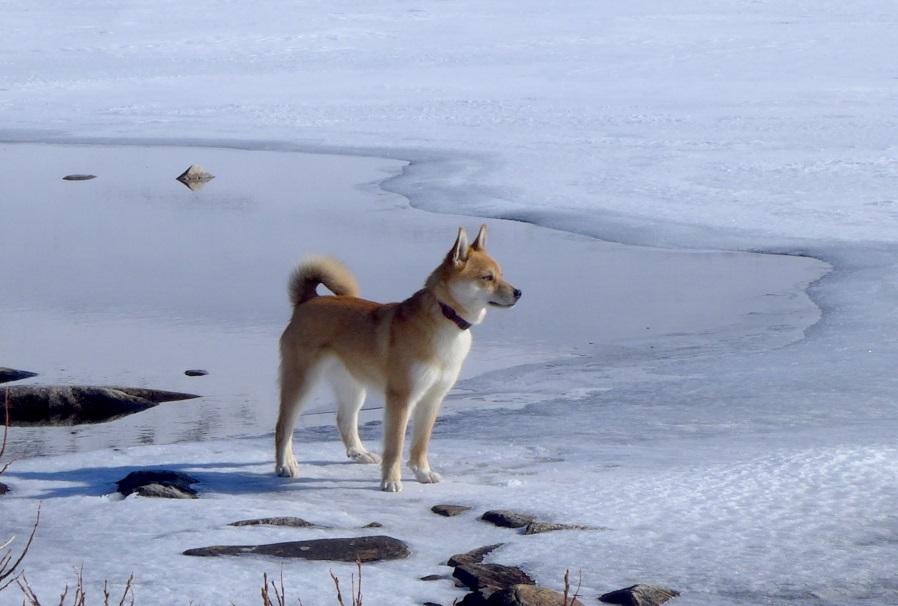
[(517, 293)]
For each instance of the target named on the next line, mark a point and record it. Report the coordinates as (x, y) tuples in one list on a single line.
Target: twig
[(5, 431), (337, 585), (7, 570)]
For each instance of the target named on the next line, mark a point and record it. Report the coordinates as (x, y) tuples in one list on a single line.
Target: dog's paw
[(290, 470), (391, 486), (363, 456), (426, 476)]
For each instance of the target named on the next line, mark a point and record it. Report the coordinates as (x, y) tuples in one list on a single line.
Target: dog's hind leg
[(296, 382), (350, 396)]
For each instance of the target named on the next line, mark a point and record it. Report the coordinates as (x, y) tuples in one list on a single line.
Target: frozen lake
[(131, 278)]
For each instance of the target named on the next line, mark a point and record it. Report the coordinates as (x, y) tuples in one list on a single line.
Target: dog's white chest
[(452, 351)]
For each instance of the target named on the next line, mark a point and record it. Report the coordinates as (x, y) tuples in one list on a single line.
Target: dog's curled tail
[(320, 270)]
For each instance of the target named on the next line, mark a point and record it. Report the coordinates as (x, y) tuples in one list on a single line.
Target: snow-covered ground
[(747, 463)]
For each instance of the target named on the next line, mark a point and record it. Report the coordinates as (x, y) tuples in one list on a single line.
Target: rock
[(475, 598), (431, 604), (195, 177), (196, 372), (373, 525), (539, 527), (76, 404), (434, 577), (79, 177), (507, 519), (291, 521), (150, 483), (449, 511), (639, 595), (475, 556), (153, 395), (3, 489), (11, 374), (364, 549), (165, 492), (490, 576), (530, 595)]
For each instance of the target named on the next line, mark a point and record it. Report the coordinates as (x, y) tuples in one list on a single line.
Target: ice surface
[(741, 464)]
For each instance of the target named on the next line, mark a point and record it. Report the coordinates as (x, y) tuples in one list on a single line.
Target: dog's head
[(471, 277)]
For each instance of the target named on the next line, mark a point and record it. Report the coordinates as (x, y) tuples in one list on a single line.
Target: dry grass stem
[(8, 566)]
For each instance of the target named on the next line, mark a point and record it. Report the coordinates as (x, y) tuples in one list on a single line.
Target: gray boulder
[(158, 483), (33, 405), (639, 595), (3, 489), (364, 549), (162, 491)]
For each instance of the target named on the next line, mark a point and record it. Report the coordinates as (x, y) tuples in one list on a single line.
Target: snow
[(741, 451)]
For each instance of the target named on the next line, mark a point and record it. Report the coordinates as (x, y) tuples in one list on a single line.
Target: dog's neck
[(456, 313), (450, 314)]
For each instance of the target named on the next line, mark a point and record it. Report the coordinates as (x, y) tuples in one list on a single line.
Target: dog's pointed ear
[(459, 251), (480, 241)]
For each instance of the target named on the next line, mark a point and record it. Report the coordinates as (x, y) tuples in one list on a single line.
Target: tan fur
[(320, 270), (408, 350)]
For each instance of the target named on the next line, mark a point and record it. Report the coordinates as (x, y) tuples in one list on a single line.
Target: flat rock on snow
[(363, 549), (475, 556), (290, 521), (507, 519), (449, 511)]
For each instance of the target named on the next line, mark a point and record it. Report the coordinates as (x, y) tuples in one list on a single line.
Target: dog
[(412, 351)]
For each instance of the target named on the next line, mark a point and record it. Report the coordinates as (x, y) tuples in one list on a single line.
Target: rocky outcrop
[(639, 595), (78, 177), (196, 372), (158, 483), (449, 511), (3, 489), (77, 404), (11, 374), (362, 549)]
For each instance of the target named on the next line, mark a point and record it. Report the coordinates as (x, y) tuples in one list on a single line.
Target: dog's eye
[(487, 277)]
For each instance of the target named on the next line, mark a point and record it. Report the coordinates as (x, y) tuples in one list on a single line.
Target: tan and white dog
[(412, 351)]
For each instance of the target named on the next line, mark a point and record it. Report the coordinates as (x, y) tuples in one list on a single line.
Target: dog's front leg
[(395, 422), (425, 416)]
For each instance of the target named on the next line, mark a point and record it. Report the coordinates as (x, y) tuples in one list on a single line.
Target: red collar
[(452, 315)]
